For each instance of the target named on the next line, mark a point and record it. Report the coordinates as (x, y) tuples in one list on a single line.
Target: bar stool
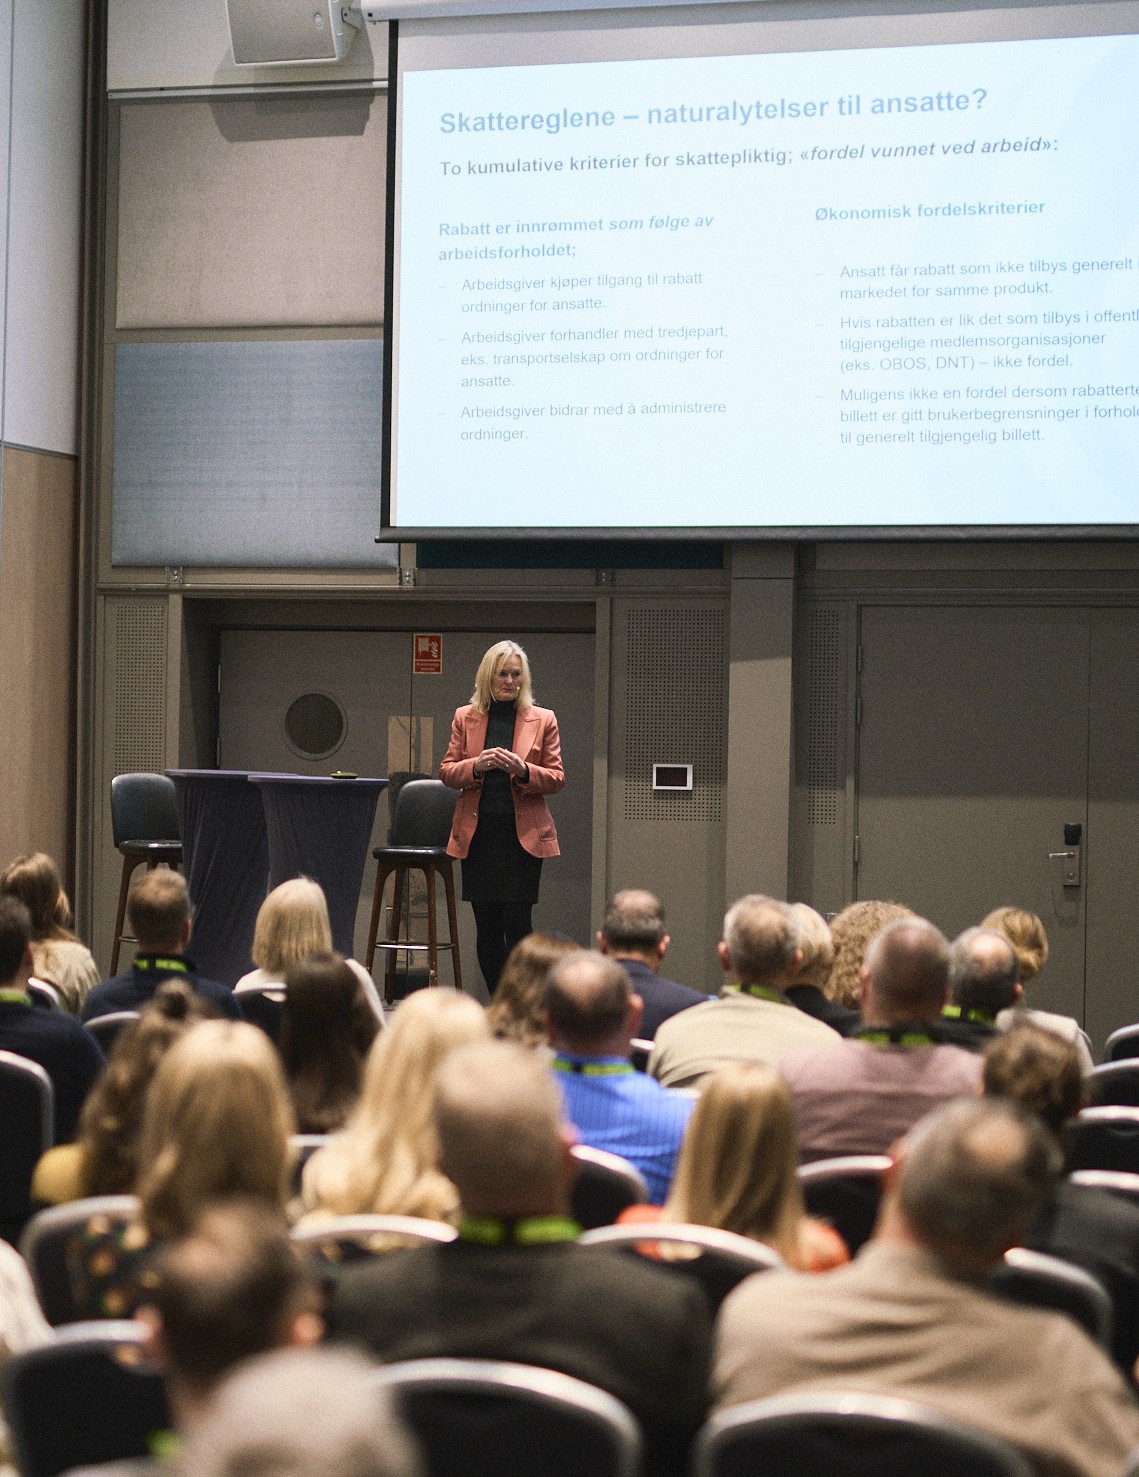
[(144, 824), (420, 831)]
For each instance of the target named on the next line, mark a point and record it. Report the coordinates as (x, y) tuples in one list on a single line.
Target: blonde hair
[(817, 946), (35, 881), (851, 933), (216, 1124), (517, 1012), (493, 659), (1026, 934), (384, 1161), (292, 923), (737, 1165)]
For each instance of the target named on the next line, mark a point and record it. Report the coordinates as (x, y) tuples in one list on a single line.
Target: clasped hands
[(500, 759)]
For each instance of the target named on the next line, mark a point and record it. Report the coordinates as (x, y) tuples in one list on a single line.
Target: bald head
[(761, 942), (498, 1116), (984, 971), (906, 974), (590, 1005), (634, 925)]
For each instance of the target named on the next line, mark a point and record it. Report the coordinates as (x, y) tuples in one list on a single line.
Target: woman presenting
[(505, 756)]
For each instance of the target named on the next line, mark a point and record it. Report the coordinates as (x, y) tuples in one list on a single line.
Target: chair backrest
[(604, 1186), (144, 807), (423, 814), (722, 1259), (1104, 1138), (1115, 1181), (86, 1397), (106, 1028), (264, 1007), (846, 1193), (847, 1436), (1122, 1043), (1114, 1084), (27, 1130), (1041, 1281), (639, 1052), (474, 1415), (45, 995), (44, 1247)]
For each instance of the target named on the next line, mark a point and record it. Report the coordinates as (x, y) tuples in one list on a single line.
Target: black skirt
[(498, 869)]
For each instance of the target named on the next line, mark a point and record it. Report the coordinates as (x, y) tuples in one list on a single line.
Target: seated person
[(58, 957), (327, 1029), (1026, 934), (633, 932), (983, 981)]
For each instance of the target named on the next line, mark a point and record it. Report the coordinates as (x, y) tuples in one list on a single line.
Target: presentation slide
[(866, 287)]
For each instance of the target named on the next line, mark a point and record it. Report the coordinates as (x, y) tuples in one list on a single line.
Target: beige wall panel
[(252, 212), (37, 655)]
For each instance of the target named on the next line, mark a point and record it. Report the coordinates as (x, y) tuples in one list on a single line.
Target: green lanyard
[(977, 1017), (168, 966), (14, 997), (573, 1068), (532, 1230), (894, 1036), (761, 992)]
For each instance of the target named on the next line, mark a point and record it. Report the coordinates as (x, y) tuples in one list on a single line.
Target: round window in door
[(315, 725)]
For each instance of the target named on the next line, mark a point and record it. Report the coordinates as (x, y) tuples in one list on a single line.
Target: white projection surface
[(869, 287)]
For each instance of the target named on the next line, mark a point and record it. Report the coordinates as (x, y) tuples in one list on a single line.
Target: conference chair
[(481, 1416), (44, 1247), (420, 831), (1114, 1084), (845, 1192), (639, 1052), (27, 1130), (45, 995), (302, 1146), (144, 825), (717, 1260), (333, 1244), (1115, 1181), (847, 1436), (86, 1397), (1104, 1138), (604, 1185), (264, 1007), (1041, 1281), (106, 1028), (1122, 1044)]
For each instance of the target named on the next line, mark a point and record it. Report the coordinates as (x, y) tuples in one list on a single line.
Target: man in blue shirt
[(592, 1015)]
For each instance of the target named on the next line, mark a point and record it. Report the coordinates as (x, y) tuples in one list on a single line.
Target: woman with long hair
[(327, 1028), (58, 957), (516, 1012)]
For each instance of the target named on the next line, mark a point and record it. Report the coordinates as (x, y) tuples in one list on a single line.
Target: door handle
[(1067, 864)]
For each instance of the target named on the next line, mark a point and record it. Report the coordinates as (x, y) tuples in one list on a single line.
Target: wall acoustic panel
[(263, 455), (245, 212)]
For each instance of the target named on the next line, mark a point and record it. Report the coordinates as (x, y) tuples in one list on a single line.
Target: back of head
[(15, 936), (587, 998), (517, 1013), (908, 968), (227, 1290), (983, 971), (35, 881), (158, 910), (761, 937), (973, 1176), (817, 945), (216, 1124), (498, 1115), (737, 1166), (326, 1029), (1038, 1071), (851, 932), (292, 923), (633, 923), (1025, 932), (301, 1413)]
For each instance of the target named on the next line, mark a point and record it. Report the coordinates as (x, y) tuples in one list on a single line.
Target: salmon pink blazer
[(538, 744)]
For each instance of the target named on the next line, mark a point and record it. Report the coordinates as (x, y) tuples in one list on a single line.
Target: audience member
[(737, 1170), (1025, 932), (384, 1161), (851, 932), (103, 1160), (216, 1124), (514, 1286), (633, 932), (1040, 1072), (592, 1016), (808, 990), (69, 1055), (58, 957), (327, 1029), (910, 1318), (158, 911), (983, 981), (301, 1413), (22, 1326), (857, 1096), (293, 923), (753, 1020), (517, 1012)]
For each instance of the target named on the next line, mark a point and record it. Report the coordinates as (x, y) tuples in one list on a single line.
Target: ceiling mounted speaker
[(291, 32)]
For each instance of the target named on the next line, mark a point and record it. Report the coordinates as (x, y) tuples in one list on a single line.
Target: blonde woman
[(293, 924), (505, 755), (516, 1013), (216, 1125), (384, 1160), (737, 1170), (58, 957), (1026, 933)]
